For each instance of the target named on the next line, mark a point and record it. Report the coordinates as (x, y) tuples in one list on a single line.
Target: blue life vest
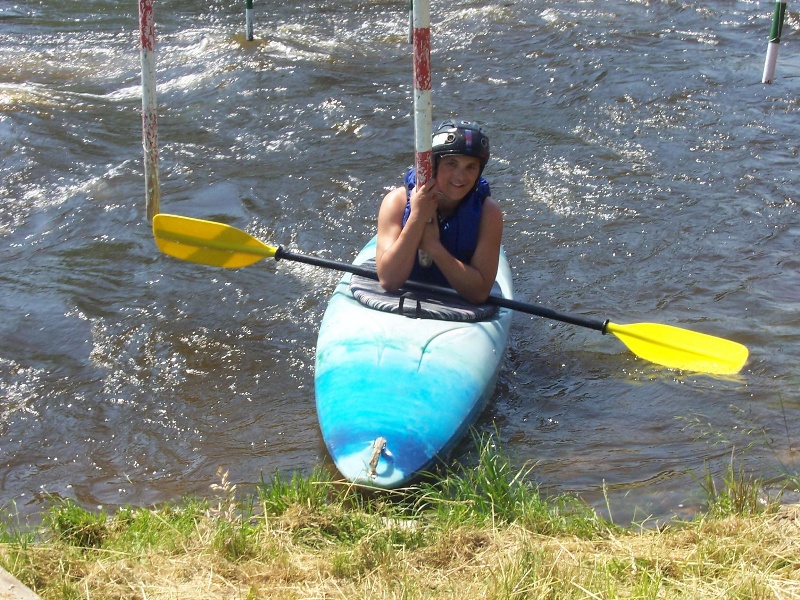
[(458, 232)]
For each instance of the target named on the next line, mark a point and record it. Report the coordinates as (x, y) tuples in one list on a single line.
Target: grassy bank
[(483, 532)]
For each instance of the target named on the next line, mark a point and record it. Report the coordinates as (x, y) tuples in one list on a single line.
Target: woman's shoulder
[(394, 203), (397, 195), (491, 205), (491, 201), (492, 213)]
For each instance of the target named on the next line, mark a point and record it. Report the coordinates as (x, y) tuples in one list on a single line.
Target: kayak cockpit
[(419, 304)]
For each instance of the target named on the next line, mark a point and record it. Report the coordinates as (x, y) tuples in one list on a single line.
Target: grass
[(478, 532)]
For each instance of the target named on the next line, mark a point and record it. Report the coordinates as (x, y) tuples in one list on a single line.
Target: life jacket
[(458, 232)]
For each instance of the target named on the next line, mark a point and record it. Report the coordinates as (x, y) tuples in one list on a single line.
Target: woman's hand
[(424, 203), (430, 236)]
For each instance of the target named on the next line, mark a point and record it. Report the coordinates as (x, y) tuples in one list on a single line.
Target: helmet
[(460, 137)]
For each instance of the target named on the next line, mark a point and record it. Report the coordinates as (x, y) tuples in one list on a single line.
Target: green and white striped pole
[(774, 40), (248, 20)]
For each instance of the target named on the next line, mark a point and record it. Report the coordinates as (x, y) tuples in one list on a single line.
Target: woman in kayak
[(448, 231)]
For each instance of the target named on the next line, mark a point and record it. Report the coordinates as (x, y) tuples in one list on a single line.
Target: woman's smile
[(456, 175)]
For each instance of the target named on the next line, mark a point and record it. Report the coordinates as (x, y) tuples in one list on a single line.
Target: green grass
[(738, 494), (484, 531), (492, 493)]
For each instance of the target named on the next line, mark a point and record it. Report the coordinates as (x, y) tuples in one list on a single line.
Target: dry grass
[(482, 532), (291, 556)]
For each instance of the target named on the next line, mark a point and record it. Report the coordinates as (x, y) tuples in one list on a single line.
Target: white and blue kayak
[(400, 378)]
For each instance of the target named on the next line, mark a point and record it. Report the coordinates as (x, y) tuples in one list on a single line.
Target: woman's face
[(456, 175)]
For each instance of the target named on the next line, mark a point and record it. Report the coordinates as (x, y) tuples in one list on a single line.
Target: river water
[(645, 173)]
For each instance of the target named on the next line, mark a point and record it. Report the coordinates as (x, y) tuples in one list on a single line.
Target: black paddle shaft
[(532, 309)]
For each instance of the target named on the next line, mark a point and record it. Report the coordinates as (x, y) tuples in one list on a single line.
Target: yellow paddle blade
[(678, 348), (208, 242)]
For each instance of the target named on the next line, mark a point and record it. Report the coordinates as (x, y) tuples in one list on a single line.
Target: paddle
[(220, 245)]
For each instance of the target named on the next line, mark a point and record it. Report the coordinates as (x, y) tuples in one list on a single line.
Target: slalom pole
[(248, 20), (423, 156), (147, 31), (774, 40), (410, 21)]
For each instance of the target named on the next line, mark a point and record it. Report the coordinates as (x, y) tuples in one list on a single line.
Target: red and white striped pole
[(423, 159), (147, 31)]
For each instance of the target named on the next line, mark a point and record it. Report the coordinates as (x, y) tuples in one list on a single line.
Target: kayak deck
[(394, 394)]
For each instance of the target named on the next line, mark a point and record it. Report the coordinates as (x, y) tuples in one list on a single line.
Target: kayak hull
[(413, 385)]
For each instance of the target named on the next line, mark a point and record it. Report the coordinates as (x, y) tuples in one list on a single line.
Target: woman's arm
[(397, 245)]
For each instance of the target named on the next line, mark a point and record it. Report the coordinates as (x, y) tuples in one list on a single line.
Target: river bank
[(477, 533)]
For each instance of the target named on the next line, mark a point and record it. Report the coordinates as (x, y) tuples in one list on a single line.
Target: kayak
[(400, 378)]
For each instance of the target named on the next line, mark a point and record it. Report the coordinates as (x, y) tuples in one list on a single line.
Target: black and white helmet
[(460, 137)]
